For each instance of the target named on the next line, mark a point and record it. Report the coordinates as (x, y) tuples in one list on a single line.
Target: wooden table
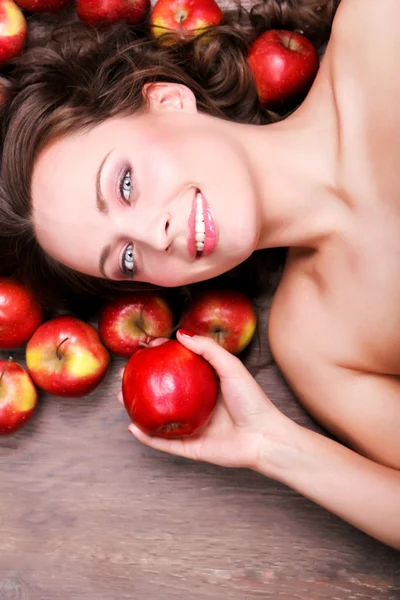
[(87, 513)]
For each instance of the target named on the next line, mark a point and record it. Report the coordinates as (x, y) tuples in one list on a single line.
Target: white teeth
[(199, 224)]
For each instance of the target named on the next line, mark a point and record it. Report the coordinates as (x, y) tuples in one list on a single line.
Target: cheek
[(165, 273)]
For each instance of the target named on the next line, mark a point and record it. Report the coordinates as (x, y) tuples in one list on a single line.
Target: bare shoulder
[(364, 44), (366, 24), (360, 408), (363, 66)]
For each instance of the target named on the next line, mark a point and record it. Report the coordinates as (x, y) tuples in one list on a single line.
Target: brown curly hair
[(73, 76)]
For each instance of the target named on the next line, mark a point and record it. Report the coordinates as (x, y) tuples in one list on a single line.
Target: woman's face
[(120, 200)]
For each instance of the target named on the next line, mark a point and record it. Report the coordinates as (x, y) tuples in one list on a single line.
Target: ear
[(169, 96)]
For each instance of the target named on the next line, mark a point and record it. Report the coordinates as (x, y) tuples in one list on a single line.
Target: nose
[(146, 229)]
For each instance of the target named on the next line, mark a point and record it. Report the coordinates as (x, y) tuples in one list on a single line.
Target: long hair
[(71, 77)]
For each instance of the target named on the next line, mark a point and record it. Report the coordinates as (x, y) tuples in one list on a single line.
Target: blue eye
[(125, 185), (128, 261)]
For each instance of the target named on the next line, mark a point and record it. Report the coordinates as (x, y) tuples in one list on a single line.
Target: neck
[(292, 164)]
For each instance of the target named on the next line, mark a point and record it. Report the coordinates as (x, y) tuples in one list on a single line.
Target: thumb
[(225, 363)]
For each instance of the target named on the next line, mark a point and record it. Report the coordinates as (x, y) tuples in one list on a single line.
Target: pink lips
[(211, 230)]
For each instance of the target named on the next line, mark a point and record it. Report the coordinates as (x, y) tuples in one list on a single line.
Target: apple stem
[(59, 356), (5, 368)]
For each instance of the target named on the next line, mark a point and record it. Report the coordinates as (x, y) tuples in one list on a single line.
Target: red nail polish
[(185, 333)]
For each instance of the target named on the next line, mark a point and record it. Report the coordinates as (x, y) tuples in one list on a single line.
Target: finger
[(225, 363), (179, 447), (121, 373), (121, 398)]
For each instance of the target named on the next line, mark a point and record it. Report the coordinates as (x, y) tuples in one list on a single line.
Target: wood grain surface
[(88, 513)]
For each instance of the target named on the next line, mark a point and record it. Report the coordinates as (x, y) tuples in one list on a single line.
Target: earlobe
[(169, 96)]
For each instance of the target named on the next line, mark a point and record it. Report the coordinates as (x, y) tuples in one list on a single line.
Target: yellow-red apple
[(18, 397), (134, 319), (227, 316), (183, 19), (65, 357), (13, 30)]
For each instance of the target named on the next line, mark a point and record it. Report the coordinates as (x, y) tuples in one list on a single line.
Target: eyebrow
[(100, 200)]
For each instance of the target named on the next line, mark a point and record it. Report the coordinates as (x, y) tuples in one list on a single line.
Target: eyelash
[(123, 174), (131, 273), (126, 272)]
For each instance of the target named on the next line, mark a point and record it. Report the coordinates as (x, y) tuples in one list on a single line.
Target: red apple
[(43, 5), (111, 11), (65, 357), (133, 320), (13, 31), (183, 18), (18, 397), (168, 390), (20, 314), (284, 65), (227, 316)]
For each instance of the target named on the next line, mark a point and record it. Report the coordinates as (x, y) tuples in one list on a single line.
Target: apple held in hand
[(284, 65), (18, 397), (13, 31), (133, 320), (20, 314), (110, 11), (168, 390), (43, 5), (65, 357), (227, 316), (183, 18)]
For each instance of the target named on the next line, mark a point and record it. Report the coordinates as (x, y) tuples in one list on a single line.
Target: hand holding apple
[(227, 316), (13, 31), (65, 357), (134, 319), (245, 425), (169, 391), (184, 19), (18, 397), (284, 65), (110, 11), (20, 314)]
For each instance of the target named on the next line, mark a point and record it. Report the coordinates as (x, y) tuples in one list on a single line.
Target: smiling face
[(119, 200)]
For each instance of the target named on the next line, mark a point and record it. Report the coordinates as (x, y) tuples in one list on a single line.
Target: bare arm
[(248, 431), (355, 488)]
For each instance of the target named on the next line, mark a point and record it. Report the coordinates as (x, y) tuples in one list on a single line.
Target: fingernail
[(185, 333)]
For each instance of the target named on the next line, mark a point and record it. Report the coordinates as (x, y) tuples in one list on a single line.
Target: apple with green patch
[(133, 320), (66, 357), (183, 19), (18, 397), (227, 316)]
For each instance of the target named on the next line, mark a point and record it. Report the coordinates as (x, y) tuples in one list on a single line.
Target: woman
[(110, 145)]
